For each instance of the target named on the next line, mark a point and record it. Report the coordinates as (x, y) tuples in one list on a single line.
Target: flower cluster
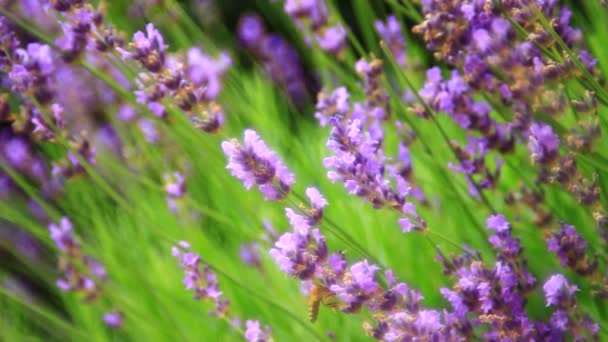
[(496, 297), (255, 164), (483, 39), (493, 295), (360, 163), (303, 253), (191, 82)]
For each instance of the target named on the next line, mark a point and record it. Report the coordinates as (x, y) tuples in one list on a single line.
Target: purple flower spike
[(255, 164)]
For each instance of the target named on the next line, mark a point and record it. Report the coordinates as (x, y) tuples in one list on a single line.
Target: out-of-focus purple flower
[(390, 33), (328, 106), (126, 113), (254, 333), (81, 273), (312, 16), (175, 185), (250, 255), (113, 319), (278, 58), (255, 164), (207, 71), (332, 39), (175, 188), (199, 277), (17, 152), (148, 128), (77, 29), (299, 8), (251, 30), (62, 235)]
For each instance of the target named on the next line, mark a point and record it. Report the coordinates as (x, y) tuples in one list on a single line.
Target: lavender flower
[(472, 163), (543, 143), (63, 236), (567, 321), (254, 333), (359, 163), (191, 81), (312, 16), (255, 164), (249, 254), (204, 70), (251, 30), (279, 59), (31, 70), (558, 291), (81, 273), (493, 296), (390, 33), (302, 253), (113, 319), (175, 188), (199, 277), (332, 39), (570, 248), (147, 48), (330, 105)]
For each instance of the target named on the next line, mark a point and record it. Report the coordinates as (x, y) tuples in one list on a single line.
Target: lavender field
[(303, 170)]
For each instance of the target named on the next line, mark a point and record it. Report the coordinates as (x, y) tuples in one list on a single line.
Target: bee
[(320, 294)]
